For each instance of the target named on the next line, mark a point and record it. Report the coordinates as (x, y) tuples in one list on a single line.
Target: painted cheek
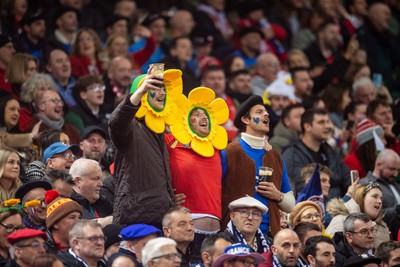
[(152, 95), (256, 120), (192, 120)]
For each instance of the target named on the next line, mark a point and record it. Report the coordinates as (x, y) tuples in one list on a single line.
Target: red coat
[(81, 66), (354, 163)]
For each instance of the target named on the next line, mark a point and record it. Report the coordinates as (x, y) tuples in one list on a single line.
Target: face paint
[(256, 120), (153, 94)]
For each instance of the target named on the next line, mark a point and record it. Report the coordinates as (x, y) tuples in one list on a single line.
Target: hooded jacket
[(282, 137), (340, 210)]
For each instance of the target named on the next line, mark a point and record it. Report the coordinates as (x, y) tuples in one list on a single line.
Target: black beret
[(244, 108)]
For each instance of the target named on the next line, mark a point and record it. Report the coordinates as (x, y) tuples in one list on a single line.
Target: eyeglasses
[(42, 202), (94, 239), (245, 213), (370, 186), (11, 228), (87, 39), (66, 156), (96, 87), (55, 101), (246, 262), (312, 216), (169, 256), (365, 232), (35, 245)]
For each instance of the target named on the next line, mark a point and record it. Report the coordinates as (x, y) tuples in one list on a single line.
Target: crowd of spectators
[(311, 89)]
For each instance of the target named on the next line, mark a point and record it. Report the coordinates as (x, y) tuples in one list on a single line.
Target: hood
[(339, 207), (281, 131), (336, 206)]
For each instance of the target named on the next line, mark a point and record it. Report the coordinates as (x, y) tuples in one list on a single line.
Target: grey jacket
[(282, 137), (143, 191), (296, 156)]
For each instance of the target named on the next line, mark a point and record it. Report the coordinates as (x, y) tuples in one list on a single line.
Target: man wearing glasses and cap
[(246, 216), (59, 156), (34, 216), (27, 244)]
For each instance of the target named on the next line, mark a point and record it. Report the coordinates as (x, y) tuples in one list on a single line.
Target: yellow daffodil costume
[(218, 113), (156, 119)]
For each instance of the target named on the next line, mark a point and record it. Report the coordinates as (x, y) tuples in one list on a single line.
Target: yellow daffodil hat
[(218, 113), (156, 119)]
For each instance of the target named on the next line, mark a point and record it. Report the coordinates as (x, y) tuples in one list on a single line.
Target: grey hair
[(167, 219), (32, 87), (77, 229), (348, 224), (81, 167), (362, 82), (153, 247)]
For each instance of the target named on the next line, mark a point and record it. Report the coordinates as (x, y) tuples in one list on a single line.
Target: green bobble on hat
[(137, 82)]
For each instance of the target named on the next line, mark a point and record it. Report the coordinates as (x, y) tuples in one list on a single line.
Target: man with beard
[(357, 237), (59, 67), (312, 147), (34, 216), (117, 81), (242, 159), (49, 109), (320, 251), (86, 240), (94, 145), (32, 36), (386, 170)]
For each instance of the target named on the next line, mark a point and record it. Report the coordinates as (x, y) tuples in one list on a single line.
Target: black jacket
[(70, 261), (296, 156), (102, 206), (343, 249)]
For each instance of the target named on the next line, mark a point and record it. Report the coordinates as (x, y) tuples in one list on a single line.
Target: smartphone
[(377, 79), (354, 175)]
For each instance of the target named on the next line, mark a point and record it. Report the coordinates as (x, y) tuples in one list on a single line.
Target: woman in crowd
[(363, 157), (117, 46), (10, 221), (10, 135), (356, 71), (9, 173), (85, 54), (30, 90), (306, 211), (21, 67), (336, 99), (367, 199)]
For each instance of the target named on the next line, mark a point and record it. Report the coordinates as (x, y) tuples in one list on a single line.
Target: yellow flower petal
[(156, 124), (201, 95), (203, 148), (220, 140), (220, 110), (141, 112), (179, 131), (172, 74)]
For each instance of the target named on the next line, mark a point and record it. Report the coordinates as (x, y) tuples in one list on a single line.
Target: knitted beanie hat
[(295, 215), (365, 131), (59, 207)]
